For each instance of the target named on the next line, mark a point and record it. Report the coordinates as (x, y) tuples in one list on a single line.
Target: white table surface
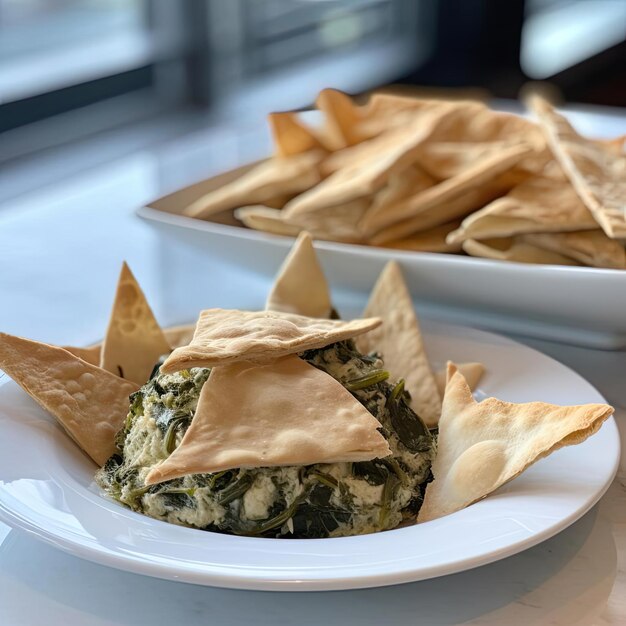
[(60, 252)]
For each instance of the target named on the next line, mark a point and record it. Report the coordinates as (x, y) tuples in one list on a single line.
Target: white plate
[(576, 305), (46, 488)]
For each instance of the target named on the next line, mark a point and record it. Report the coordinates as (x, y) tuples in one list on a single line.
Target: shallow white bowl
[(576, 305), (46, 489)]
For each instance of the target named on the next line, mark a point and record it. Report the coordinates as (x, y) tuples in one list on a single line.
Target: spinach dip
[(322, 500)]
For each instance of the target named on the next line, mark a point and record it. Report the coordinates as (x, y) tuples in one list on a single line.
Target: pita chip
[(483, 445), (447, 159), (179, 335), (453, 209), (430, 240), (400, 342), (336, 223), (226, 336), (267, 220), (353, 124), (300, 286), (591, 247), (88, 402), (342, 117), (402, 185), (286, 412), (90, 354), (472, 372), (175, 335), (616, 145), (474, 122), (597, 172), (276, 177), (535, 205), (134, 341), (514, 249), (291, 136), (478, 174), (387, 154)]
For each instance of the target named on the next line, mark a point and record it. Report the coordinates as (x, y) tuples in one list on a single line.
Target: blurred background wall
[(74, 68)]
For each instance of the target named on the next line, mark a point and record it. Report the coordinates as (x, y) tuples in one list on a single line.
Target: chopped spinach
[(320, 500)]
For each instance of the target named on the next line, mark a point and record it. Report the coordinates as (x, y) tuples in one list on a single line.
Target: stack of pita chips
[(422, 174), (260, 391)]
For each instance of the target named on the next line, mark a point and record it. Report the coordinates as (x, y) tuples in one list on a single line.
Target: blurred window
[(558, 34), (280, 53), (51, 44), (251, 55), (282, 32)]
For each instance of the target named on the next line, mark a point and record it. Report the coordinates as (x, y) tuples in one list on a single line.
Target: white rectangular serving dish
[(576, 305)]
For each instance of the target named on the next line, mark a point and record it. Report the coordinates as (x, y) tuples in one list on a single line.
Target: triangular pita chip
[(291, 136), (472, 372), (483, 445), (300, 286), (514, 249), (535, 205), (591, 247), (399, 340), (342, 116), (134, 340), (278, 176), (87, 401), (286, 412), (225, 336), (266, 219), (479, 173), (597, 172)]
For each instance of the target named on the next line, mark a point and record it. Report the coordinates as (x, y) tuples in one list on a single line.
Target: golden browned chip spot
[(286, 412), (483, 445), (225, 336), (90, 403)]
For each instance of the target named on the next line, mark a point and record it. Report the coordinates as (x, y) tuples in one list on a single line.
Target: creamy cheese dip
[(323, 500)]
